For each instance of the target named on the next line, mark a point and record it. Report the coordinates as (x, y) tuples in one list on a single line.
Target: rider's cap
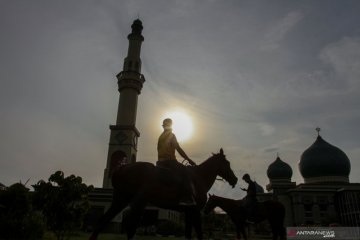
[(246, 176), (167, 122)]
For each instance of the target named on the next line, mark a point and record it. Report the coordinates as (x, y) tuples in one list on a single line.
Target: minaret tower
[(124, 135)]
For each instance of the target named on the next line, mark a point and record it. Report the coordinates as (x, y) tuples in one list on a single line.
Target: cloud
[(344, 57), (276, 33), (266, 128)]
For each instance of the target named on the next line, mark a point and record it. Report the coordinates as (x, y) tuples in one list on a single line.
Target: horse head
[(223, 167)]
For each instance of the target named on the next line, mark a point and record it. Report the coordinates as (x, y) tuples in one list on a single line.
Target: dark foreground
[(107, 236)]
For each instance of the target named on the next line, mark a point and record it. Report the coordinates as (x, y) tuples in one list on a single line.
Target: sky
[(256, 78)]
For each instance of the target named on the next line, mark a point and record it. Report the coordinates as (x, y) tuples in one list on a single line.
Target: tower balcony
[(130, 79)]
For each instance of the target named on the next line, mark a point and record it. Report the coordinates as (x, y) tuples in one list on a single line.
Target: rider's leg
[(187, 188), (185, 180)]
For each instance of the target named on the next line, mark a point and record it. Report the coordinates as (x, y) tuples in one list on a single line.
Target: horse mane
[(212, 158)]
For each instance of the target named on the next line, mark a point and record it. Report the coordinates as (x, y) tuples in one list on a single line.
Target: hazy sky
[(257, 78)]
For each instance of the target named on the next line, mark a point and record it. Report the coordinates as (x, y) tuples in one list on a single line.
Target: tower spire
[(124, 135)]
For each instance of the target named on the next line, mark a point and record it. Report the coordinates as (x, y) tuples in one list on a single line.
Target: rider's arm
[(182, 152)]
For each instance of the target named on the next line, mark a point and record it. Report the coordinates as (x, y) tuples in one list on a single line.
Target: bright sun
[(182, 125)]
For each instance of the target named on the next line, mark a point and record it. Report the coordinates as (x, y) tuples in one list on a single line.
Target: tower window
[(130, 65)]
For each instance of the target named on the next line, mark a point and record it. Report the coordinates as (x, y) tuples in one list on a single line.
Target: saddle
[(167, 177)]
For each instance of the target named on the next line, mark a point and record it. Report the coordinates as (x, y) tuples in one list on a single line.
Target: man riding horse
[(140, 183), (167, 144), (250, 199)]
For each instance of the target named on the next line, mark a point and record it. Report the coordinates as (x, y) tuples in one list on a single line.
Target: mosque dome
[(323, 162), (279, 170)]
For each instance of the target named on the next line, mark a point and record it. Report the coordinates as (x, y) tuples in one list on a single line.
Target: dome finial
[(318, 130)]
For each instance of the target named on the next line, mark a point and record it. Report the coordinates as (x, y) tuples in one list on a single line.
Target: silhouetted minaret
[(124, 135)]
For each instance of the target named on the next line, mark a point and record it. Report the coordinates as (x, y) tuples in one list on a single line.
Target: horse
[(270, 210), (137, 184)]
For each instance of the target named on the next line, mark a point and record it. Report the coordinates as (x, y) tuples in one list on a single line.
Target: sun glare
[(182, 125)]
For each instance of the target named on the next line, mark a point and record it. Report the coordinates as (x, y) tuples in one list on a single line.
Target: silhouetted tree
[(17, 219), (63, 202)]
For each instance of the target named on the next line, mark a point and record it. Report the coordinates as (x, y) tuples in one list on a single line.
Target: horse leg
[(274, 231), (133, 218), (243, 231), (117, 206), (279, 232), (282, 233), (238, 234), (197, 224), (188, 224)]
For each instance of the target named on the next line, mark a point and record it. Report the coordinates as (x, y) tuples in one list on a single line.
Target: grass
[(108, 236)]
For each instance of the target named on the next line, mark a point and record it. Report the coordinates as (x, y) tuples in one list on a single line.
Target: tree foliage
[(17, 218), (63, 202)]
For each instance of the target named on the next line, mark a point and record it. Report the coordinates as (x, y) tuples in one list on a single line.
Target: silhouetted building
[(124, 135), (326, 196)]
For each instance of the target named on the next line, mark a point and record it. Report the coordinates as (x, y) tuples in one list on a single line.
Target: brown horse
[(270, 210), (140, 183)]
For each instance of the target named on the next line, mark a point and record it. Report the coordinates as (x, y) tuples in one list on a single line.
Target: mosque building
[(326, 197)]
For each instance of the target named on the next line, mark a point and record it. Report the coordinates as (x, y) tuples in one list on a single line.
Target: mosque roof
[(324, 162), (279, 170)]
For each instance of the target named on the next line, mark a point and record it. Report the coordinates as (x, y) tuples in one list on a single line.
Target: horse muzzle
[(234, 182)]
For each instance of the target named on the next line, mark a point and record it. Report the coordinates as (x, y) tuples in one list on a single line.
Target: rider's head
[(246, 177), (167, 123)]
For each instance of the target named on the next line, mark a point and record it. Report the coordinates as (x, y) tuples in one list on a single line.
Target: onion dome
[(323, 162), (279, 170)]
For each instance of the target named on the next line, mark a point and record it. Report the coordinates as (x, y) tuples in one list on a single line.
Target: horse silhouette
[(270, 210), (138, 184)]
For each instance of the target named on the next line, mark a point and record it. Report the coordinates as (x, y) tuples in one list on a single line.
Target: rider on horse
[(167, 144), (250, 199)]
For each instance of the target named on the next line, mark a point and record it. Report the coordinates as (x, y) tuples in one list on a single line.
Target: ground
[(105, 236)]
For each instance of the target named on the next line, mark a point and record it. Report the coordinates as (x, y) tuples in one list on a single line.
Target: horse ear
[(221, 151)]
